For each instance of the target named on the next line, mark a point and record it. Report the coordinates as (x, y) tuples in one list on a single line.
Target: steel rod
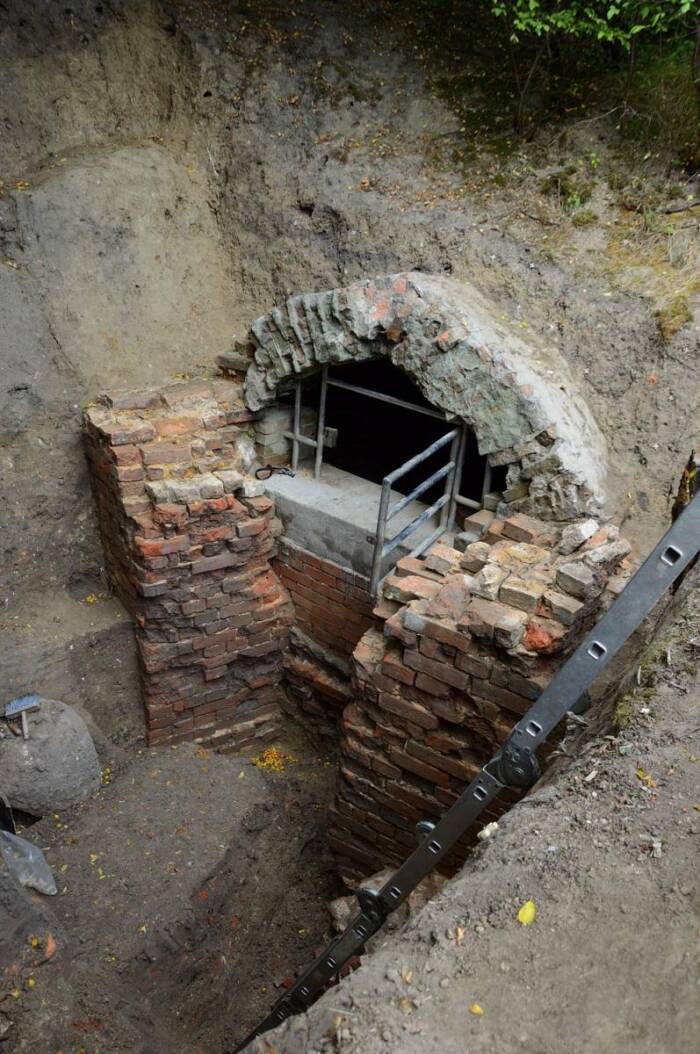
[(306, 440), (389, 546), (486, 485), (457, 448), (386, 398), (422, 546), (297, 424), (321, 423), (469, 503), (381, 532), (412, 462), (420, 489)]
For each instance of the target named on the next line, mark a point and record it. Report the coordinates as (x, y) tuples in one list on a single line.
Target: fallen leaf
[(645, 778), (476, 1009), (51, 946), (407, 976), (460, 932), (527, 913)]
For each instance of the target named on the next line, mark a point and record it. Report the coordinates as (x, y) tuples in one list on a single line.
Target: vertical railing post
[(447, 511), (296, 426), (379, 540), (456, 477), (486, 486), (321, 424)]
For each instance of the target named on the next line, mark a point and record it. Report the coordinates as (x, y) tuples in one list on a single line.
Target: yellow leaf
[(476, 1009), (461, 930), (527, 913), (645, 778)]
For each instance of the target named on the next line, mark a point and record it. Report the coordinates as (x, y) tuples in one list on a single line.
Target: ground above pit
[(608, 853)]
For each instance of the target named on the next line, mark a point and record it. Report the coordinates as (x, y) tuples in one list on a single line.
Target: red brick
[(418, 767), (545, 636), (410, 587), (160, 547), (176, 426), (407, 710), (166, 454), (440, 671), (249, 528), (428, 684), (393, 667)]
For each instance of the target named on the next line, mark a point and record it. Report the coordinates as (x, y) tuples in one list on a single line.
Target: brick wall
[(464, 642), (333, 608), (188, 539)]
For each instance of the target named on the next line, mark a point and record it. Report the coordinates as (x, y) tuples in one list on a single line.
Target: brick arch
[(519, 396)]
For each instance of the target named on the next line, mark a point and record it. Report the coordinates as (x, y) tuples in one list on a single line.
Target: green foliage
[(613, 22)]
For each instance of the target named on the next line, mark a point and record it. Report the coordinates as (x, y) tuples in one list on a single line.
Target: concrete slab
[(335, 517)]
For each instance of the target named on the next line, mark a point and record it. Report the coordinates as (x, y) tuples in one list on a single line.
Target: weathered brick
[(418, 767), (410, 587), (407, 710), (442, 559), (563, 608), (438, 670), (579, 580), (522, 528), (166, 453), (544, 635), (429, 684), (488, 581), (475, 556), (213, 563)]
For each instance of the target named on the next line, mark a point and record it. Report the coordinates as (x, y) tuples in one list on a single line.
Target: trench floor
[(190, 889)]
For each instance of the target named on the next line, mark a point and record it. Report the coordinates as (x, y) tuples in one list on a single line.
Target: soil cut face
[(607, 850), (190, 890)]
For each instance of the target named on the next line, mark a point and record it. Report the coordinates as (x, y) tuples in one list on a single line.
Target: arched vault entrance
[(475, 371)]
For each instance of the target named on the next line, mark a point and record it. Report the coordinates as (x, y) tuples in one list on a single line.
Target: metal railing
[(445, 504)]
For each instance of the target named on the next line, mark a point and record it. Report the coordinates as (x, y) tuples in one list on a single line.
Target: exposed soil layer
[(608, 853), (190, 889)]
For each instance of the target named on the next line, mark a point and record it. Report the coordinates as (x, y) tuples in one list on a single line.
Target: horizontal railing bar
[(300, 438), (420, 549), (468, 502), (413, 525), (432, 449), (386, 398), (420, 489)]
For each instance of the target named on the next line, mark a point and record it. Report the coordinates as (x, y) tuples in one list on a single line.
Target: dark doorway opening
[(371, 438)]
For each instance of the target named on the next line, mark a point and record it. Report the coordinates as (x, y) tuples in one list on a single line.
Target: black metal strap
[(514, 765)]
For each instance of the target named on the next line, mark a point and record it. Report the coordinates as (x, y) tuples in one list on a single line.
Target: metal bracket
[(515, 766), (372, 905)]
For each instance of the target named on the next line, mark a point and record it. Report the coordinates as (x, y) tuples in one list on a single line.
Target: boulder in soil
[(53, 769)]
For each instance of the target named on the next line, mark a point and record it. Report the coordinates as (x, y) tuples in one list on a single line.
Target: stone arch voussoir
[(519, 397)]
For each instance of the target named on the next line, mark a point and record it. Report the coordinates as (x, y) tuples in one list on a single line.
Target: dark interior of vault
[(374, 437)]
